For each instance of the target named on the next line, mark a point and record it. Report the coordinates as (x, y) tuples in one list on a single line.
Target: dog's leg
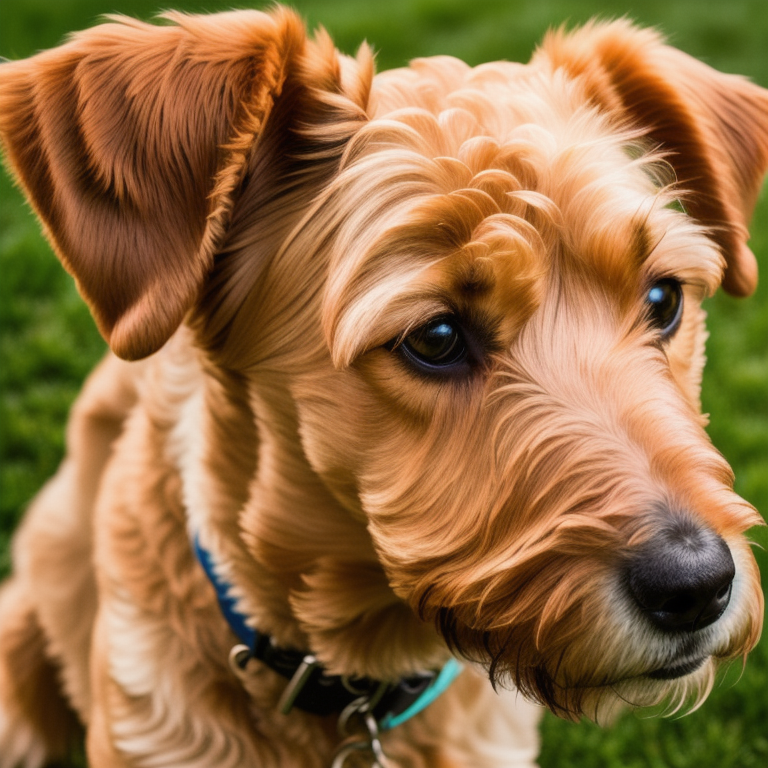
[(36, 723), (47, 609)]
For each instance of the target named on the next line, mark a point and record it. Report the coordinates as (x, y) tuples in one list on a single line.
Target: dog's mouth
[(681, 669)]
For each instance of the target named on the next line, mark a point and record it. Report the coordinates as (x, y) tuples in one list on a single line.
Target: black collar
[(310, 688)]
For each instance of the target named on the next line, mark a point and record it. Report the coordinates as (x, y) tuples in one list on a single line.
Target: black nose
[(681, 578)]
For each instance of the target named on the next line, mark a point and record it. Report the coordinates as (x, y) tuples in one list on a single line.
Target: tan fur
[(262, 220)]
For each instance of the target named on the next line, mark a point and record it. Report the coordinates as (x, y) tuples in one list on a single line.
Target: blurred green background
[(48, 342)]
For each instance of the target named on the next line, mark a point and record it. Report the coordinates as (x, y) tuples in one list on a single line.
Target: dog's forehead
[(483, 186), (515, 139)]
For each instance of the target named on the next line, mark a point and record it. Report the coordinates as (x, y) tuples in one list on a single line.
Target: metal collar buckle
[(300, 678), (360, 710)]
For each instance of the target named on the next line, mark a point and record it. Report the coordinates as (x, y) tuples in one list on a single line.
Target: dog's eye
[(665, 303), (435, 346)]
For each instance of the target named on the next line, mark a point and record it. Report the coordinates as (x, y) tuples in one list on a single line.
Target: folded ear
[(713, 127), (130, 140)]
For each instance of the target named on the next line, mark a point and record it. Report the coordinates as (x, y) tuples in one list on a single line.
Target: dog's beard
[(556, 621), (582, 649)]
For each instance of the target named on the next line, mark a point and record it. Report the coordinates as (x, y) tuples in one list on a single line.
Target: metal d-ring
[(366, 742), (357, 707), (238, 658), (367, 701)]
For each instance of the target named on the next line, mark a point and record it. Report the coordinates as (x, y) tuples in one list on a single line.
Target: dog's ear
[(130, 140), (713, 127)]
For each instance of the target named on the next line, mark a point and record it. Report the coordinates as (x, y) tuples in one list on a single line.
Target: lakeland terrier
[(411, 441)]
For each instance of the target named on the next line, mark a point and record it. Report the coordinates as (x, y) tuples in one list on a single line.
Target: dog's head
[(471, 295)]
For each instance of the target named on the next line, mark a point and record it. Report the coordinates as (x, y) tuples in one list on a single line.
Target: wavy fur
[(266, 223)]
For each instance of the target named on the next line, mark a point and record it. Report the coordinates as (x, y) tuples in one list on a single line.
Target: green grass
[(48, 342)]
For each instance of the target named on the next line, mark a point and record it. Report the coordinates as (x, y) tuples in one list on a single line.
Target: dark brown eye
[(665, 304), (436, 346)]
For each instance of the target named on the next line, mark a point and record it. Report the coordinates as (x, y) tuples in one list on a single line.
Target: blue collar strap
[(310, 688)]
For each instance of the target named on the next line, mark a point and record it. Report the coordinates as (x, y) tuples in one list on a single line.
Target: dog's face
[(475, 296), (513, 310)]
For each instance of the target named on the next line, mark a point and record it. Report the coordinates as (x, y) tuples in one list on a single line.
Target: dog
[(400, 434)]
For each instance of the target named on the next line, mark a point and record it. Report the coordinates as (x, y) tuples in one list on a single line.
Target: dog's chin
[(573, 691), (677, 669), (594, 680), (664, 691)]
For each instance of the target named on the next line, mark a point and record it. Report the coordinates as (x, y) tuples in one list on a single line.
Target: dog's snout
[(682, 577)]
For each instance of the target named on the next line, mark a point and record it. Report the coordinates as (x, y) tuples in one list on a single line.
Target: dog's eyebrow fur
[(474, 280), (641, 242)]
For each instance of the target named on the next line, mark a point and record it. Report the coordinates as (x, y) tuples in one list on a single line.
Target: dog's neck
[(300, 561)]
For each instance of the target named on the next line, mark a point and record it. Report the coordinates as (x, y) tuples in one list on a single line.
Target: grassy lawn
[(48, 342)]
